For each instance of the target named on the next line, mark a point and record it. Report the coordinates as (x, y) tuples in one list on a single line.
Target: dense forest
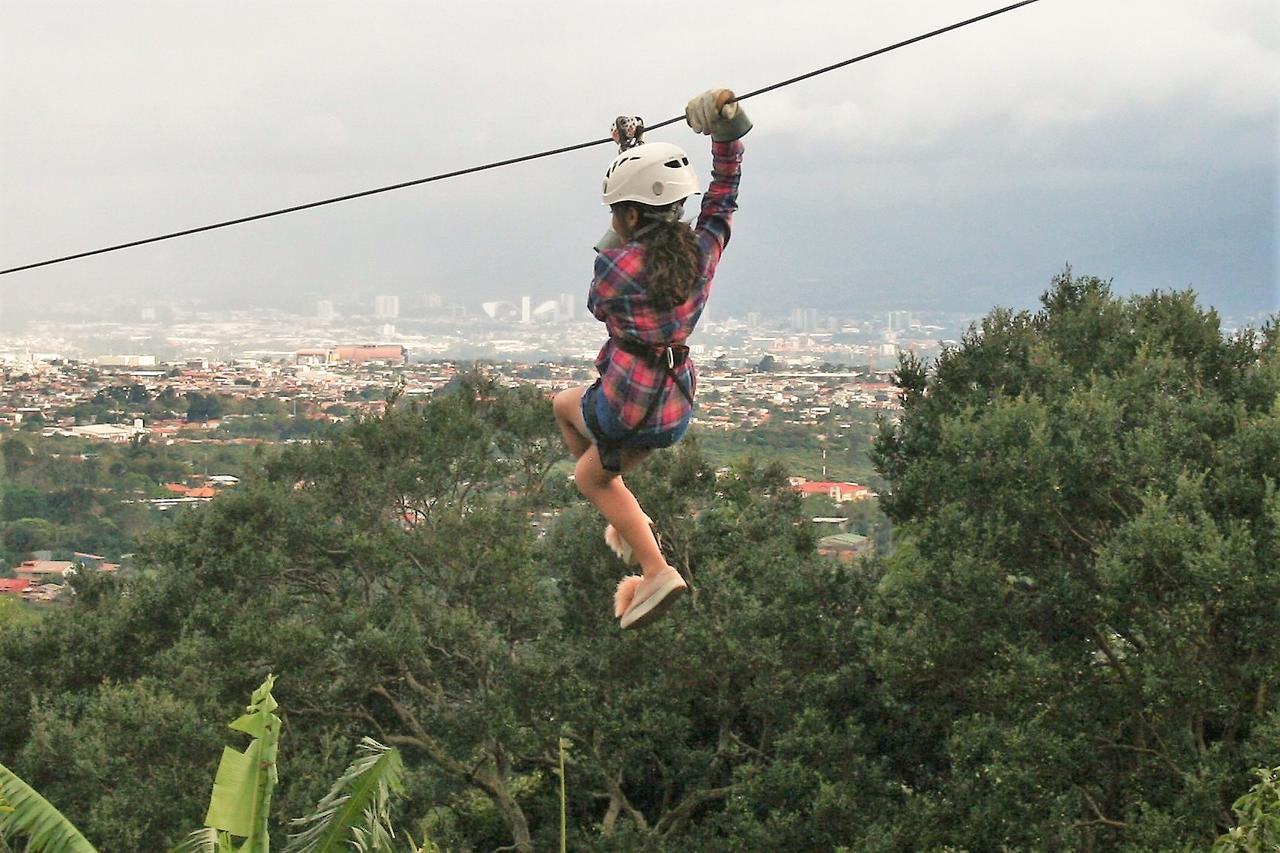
[(64, 495), (1071, 645)]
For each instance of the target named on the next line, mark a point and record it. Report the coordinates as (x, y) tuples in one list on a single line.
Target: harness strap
[(666, 356)]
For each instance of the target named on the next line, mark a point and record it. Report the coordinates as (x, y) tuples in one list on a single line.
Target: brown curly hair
[(670, 252)]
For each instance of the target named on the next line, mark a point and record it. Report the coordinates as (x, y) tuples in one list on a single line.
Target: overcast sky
[(1135, 139)]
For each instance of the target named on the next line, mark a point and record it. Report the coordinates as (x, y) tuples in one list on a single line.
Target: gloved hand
[(711, 112)]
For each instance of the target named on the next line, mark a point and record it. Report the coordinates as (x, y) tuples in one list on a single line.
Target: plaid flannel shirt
[(619, 298)]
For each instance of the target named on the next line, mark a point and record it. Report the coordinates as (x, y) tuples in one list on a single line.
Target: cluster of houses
[(181, 494), (42, 580), (843, 546), (743, 398)]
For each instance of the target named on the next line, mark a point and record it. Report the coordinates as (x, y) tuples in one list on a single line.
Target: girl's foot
[(640, 600)]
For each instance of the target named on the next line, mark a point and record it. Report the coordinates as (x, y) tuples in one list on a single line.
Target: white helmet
[(656, 173)]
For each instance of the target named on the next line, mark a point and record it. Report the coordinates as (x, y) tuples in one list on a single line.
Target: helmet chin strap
[(655, 218), (671, 213), (643, 230)]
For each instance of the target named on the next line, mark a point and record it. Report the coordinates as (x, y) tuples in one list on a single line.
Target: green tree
[(203, 407), (1258, 813), (17, 455), (390, 573), (355, 812), (25, 535), (1078, 627), (768, 364), (20, 501), (22, 810)]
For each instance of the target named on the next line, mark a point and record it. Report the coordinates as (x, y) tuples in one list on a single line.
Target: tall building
[(324, 311), (566, 302), (386, 307), (900, 321), (804, 319), (526, 309)]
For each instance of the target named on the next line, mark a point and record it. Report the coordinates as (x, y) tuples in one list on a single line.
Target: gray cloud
[(1137, 140)]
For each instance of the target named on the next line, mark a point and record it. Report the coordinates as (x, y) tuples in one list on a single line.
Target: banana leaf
[(27, 813), (245, 780), (355, 814)]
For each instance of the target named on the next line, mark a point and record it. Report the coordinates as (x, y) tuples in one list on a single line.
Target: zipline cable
[(512, 161)]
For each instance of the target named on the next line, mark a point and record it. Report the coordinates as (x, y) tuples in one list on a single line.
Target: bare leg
[(568, 410), (610, 495), (606, 490)]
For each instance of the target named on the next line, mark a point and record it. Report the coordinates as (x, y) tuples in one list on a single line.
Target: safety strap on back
[(667, 356)]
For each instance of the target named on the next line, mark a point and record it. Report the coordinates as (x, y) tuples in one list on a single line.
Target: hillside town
[(336, 384), (125, 400)]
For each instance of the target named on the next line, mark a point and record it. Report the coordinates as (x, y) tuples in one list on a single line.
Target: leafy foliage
[(24, 811), (1080, 634), (356, 810), (1069, 647), (1258, 813)]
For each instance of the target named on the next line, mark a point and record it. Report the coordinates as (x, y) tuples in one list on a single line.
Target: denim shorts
[(615, 434)]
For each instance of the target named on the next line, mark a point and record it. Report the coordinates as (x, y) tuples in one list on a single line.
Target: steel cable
[(512, 161)]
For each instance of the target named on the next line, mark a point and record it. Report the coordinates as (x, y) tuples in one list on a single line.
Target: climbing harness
[(666, 356)]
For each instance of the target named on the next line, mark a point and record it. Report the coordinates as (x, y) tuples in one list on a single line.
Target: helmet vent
[(618, 163), (675, 164)]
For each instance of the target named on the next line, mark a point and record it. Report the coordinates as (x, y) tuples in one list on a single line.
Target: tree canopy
[(1071, 645), (1080, 631)]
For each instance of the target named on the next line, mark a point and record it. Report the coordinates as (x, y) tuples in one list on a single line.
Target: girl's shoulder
[(621, 266)]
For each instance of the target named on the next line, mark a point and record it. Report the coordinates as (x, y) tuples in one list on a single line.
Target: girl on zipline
[(652, 279)]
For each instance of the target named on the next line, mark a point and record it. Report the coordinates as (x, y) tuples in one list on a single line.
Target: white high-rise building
[(566, 302), (804, 319), (324, 311), (386, 307), (526, 309)]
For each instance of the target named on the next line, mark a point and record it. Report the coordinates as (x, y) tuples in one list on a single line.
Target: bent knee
[(565, 402), (560, 401)]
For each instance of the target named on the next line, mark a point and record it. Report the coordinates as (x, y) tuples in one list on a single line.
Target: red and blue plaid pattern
[(619, 298)]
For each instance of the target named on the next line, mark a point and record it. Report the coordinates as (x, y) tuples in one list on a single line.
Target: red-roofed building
[(838, 492), (43, 571), (13, 586)]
